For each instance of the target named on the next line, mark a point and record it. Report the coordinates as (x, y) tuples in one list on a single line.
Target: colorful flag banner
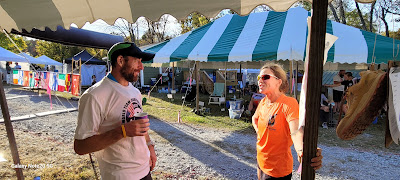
[(61, 82), (75, 85), (25, 78), (15, 76)]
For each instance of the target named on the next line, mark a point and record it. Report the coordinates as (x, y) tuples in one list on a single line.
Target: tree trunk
[(371, 16), (385, 22), (342, 15), (361, 17), (334, 12)]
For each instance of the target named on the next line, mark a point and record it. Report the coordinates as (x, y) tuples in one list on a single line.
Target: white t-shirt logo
[(130, 109)]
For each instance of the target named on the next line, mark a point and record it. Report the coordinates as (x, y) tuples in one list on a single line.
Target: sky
[(174, 29)]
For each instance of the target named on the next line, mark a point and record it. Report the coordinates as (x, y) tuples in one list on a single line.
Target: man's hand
[(137, 127), (153, 157)]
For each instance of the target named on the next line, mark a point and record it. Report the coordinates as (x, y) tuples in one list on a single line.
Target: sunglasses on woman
[(265, 77)]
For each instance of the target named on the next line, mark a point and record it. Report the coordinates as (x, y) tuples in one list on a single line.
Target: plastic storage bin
[(235, 104), (235, 113)]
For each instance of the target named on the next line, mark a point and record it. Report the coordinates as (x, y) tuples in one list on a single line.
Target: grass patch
[(160, 107)]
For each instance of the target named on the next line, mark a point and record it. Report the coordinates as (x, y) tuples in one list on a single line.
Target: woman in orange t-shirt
[(276, 122)]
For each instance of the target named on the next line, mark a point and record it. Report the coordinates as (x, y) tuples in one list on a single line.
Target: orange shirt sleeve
[(291, 110)]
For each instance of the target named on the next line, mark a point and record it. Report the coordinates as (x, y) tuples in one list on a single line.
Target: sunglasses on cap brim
[(266, 76)]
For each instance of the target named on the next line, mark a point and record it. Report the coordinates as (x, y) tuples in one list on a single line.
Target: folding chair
[(217, 97)]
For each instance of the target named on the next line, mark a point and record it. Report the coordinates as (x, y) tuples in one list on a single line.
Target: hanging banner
[(394, 104), (75, 85), (32, 79), (20, 77), (25, 80), (68, 82), (15, 76), (54, 81), (61, 82)]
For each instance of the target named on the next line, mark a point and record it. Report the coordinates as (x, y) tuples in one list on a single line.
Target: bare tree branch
[(361, 17), (334, 12)]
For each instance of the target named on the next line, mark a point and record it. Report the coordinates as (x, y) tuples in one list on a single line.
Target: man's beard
[(130, 77)]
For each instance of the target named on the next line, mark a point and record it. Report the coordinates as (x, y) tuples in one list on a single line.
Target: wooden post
[(388, 136), (80, 76), (72, 73), (173, 76), (314, 82), (197, 86), (10, 131)]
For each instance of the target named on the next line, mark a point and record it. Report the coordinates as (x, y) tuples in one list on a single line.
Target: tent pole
[(295, 82), (10, 131), (314, 83), (197, 87), (226, 95), (72, 73), (173, 76), (240, 72), (290, 76), (80, 76)]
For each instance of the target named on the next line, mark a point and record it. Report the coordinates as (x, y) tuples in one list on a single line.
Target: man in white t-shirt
[(106, 124), (338, 90)]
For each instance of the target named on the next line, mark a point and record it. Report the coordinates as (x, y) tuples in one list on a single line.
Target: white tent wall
[(88, 70)]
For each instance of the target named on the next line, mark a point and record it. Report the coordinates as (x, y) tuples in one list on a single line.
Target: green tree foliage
[(193, 21), (392, 34), (7, 44), (353, 19), (56, 51), (97, 53), (31, 47)]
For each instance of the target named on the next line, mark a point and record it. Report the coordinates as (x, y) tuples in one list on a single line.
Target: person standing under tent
[(9, 72), (17, 66), (276, 122), (106, 124), (338, 89)]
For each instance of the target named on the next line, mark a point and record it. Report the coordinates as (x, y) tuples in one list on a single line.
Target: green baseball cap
[(128, 49)]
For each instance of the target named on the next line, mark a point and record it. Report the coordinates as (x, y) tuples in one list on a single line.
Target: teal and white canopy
[(271, 36)]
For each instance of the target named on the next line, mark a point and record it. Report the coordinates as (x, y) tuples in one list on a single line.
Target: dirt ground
[(184, 151)]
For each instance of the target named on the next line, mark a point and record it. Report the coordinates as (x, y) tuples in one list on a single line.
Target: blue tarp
[(86, 58)]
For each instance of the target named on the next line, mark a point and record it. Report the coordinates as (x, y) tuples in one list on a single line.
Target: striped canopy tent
[(27, 14), (271, 36)]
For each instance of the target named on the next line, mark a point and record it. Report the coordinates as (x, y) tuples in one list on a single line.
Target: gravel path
[(190, 152)]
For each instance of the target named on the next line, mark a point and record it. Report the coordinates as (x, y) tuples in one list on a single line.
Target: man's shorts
[(337, 95)]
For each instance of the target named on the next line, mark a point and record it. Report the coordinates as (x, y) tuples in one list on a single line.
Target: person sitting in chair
[(255, 99), (324, 110)]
